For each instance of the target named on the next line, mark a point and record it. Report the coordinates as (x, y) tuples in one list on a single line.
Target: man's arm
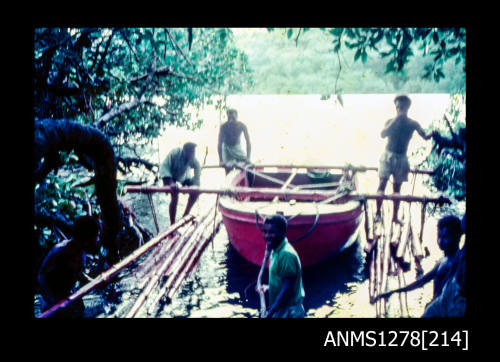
[(424, 279), (247, 141), (197, 172), (421, 131), (387, 127), (219, 144), (282, 297)]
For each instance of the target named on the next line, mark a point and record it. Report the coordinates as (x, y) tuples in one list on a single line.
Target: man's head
[(402, 103), (86, 230), (232, 114), (274, 230), (449, 233), (188, 150)]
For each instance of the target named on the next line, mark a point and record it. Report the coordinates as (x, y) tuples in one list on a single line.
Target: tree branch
[(129, 161), (115, 112), (174, 45), (128, 43), (164, 70)]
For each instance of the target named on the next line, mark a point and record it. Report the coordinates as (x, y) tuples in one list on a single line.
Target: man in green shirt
[(286, 292), (175, 169)]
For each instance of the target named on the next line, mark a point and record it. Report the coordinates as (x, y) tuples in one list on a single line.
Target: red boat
[(317, 230)]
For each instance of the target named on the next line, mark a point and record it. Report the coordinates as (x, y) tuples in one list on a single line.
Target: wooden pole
[(178, 255), (191, 263), (405, 234), (153, 211), (113, 270), (330, 167), (179, 269), (157, 274), (154, 264), (266, 177), (306, 195)]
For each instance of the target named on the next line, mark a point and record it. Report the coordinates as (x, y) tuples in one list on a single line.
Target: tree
[(117, 87), (434, 48)]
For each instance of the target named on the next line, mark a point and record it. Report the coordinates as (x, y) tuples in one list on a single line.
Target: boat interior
[(292, 179)]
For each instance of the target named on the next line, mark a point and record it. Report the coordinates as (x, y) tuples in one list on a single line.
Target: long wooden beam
[(305, 195), (331, 167)]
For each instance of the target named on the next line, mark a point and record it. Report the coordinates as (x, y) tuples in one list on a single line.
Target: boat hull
[(333, 232)]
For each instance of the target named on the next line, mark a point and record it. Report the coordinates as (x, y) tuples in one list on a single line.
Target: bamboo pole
[(405, 234), (317, 186), (152, 281), (171, 264), (153, 211), (193, 238), (114, 269), (159, 272), (162, 250), (179, 268), (167, 256), (264, 176), (331, 167), (190, 265), (157, 254), (218, 222), (422, 222), (316, 195), (386, 254)]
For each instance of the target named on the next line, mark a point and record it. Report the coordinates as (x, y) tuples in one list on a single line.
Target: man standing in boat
[(176, 168), (229, 146), (286, 292), (394, 161)]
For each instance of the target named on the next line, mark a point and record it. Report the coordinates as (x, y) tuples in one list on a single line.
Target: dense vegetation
[(336, 61), (128, 84)]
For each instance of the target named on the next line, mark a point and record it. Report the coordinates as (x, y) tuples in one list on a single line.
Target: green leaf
[(339, 99), (289, 33), (364, 56), (357, 55), (336, 31)]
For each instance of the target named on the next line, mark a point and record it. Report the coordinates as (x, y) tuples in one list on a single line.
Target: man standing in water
[(449, 233), (64, 265), (286, 292), (394, 161), (175, 169), (229, 147)]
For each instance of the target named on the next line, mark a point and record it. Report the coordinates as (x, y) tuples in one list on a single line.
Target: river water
[(297, 130)]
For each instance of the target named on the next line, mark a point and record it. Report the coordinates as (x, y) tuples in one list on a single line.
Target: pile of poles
[(159, 267), (393, 249), (161, 274)]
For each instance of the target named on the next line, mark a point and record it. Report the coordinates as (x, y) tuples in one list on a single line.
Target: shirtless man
[(64, 264), (229, 147), (394, 161), (449, 233)]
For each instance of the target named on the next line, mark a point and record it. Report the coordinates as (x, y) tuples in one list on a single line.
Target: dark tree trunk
[(52, 136)]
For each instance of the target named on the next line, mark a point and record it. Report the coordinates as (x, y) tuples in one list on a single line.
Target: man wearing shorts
[(175, 169), (394, 161)]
